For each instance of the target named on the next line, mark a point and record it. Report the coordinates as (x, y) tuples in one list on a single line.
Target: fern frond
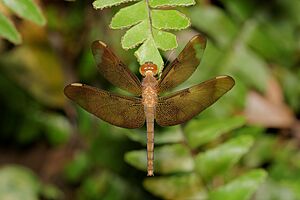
[(147, 24)]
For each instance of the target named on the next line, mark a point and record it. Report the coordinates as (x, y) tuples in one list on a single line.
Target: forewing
[(184, 65), (185, 104), (126, 112), (114, 70)]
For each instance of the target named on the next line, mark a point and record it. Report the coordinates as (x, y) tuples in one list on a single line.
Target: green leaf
[(243, 62), (29, 129), (137, 159), (100, 4), (136, 35), (169, 19), (264, 37), (166, 3), (289, 81), (8, 30), (18, 183), (199, 132), (292, 186), (107, 186), (76, 169), (26, 9), (278, 190), (213, 21), (172, 134), (260, 152), (148, 52), (186, 186), (220, 159), (168, 159), (241, 10), (291, 8), (164, 40), (36, 63), (130, 15), (50, 191), (241, 188), (58, 128)]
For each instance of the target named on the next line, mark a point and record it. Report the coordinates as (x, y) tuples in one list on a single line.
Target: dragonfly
[(147, 104)]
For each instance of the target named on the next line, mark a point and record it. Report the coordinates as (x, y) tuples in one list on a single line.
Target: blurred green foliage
[(59, 151), (26, 9), (18, 183)]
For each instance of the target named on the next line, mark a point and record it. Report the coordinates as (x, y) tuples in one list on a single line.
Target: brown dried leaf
[(269, 110)]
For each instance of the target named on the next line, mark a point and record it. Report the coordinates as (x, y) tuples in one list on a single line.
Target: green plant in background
[(25, 9), (32, 62), (21, 183), (189, 172), (18, 183), (251, 41), (147, 22), (217, 154)]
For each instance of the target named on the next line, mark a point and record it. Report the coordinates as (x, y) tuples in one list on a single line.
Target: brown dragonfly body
[(149, 106), (149, 100)]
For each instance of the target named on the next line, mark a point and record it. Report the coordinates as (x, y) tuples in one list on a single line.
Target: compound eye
[(154, 69), (142, 70)]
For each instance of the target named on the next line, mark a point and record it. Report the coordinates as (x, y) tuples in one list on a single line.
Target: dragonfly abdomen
[(149, 112), (149, 99)]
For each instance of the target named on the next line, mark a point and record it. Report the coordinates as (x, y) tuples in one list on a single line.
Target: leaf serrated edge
[(160, 65), (111, 5), (126, 26), (133, 46), (174, 5)]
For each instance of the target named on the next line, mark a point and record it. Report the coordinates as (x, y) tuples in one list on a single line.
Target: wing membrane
[(184, 65), (185, 104), (114, 70), (126, 112)]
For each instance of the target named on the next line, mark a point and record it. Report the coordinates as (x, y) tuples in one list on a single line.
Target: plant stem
[(149, 17)]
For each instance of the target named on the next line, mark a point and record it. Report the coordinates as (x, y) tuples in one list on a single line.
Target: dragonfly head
[(148, 66)]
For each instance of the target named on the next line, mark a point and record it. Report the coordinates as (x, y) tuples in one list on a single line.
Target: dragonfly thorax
[(149, 90)]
